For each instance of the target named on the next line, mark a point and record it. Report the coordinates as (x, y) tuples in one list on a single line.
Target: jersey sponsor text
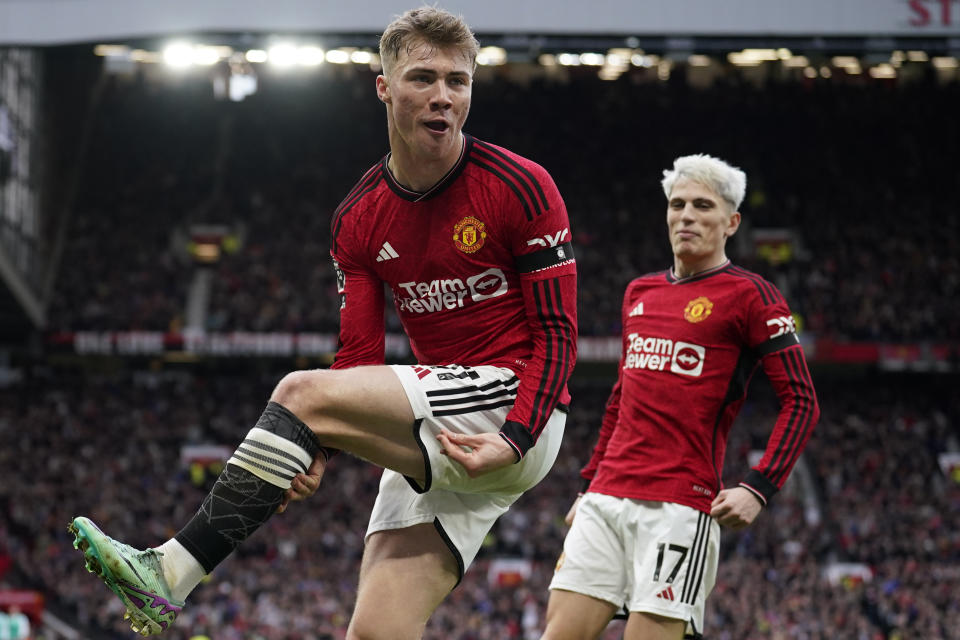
[(664, 354)]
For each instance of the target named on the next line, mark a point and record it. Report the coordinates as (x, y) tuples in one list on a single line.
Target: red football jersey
[(481, 269), (690, 347)]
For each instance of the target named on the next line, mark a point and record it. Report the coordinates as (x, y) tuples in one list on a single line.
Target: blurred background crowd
[(854, 172), (863, 543)]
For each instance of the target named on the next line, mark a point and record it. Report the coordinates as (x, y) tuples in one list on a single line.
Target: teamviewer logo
[(687, 359)]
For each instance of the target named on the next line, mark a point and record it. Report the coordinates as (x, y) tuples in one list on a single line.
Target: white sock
[(180, 569)]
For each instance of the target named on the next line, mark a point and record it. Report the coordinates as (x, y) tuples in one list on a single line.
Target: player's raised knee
[(301, 391)]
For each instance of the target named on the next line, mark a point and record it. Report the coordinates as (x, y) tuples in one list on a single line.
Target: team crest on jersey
[(469, 234), (698, 309)]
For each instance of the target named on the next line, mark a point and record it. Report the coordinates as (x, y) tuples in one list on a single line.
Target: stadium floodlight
[(640, 60), (946, 62), (361, 57), (762, 55), (256, 55), (609, 73), (698, 60), (492, 56), (147, 57), (617, 61), (310, 56), (883, 71), (741, 59), (338, 56), (797, 62), (592, 59), (205, 56), (810, 72), (282, 55), (178, 55), (917, 56), (547, 60), (569, 59), (850, 64), (112, 50)]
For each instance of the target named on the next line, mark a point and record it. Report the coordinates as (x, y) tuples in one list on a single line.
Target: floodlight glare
[(178, 55), (361, 57), (338, 56), (205, 56), (256, 55), (282, 55), (309, 56)]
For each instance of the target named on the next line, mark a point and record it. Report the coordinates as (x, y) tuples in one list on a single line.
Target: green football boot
[(134, 575)]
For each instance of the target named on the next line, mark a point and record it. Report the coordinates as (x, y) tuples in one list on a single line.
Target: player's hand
[(735, 508), (304, 485), (478, 454), (573, 511)]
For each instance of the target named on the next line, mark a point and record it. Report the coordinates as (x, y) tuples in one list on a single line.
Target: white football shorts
[(463, 509), (651, 557)]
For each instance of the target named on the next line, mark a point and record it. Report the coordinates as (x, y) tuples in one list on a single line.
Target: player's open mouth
[(438, 125)]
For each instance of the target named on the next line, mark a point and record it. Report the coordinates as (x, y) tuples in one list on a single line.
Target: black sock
[(251, 486)]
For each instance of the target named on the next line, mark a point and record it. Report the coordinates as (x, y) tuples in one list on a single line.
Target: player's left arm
[(539, 230), (783, 361), (545, 262)]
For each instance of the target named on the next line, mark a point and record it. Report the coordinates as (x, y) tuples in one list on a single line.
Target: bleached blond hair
[(727, 181), (432, 26)]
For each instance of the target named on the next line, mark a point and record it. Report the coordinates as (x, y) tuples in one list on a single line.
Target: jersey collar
[(673, 279), (440, 186)]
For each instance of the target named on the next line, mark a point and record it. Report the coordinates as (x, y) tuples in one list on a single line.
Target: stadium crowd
[(110, 445), (852, 168)]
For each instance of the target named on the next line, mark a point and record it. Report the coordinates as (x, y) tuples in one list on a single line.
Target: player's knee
[(302, 392)]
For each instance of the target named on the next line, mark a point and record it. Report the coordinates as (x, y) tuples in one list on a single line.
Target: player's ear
[(383, 89), (732, 224)]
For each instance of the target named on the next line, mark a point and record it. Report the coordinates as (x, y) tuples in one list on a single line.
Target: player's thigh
[(648, 626), (575, 616), (673, 551), (404, 575), (363, 410)]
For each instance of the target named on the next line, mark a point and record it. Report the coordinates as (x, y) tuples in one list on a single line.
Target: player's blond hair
[(432, 26), (728, 182)]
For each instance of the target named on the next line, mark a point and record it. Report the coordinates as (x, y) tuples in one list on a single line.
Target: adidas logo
[(637, 311), (387, 253), (666, 594)]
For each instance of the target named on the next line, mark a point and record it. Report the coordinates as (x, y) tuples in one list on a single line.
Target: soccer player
[(646, 532), (474, 242)]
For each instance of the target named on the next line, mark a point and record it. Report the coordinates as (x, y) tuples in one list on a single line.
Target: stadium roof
[(66, 21)]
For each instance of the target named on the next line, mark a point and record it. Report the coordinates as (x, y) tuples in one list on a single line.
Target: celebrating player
[(474, 242), (646, 534)]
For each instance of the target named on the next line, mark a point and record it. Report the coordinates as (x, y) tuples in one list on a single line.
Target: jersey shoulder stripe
[(514, 174), (366, 184), (521, 164), (768, 292)]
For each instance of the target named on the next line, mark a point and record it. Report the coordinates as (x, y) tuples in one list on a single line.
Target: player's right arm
[(361, 338), (611, 414)]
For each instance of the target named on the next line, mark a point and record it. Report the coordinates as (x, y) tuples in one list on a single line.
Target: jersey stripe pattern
[(690, 348), (482, 272)]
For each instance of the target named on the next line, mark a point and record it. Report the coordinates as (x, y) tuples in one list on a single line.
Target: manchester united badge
[(698, 309), (469, 234)]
